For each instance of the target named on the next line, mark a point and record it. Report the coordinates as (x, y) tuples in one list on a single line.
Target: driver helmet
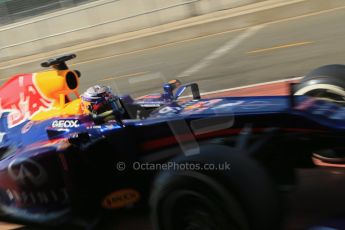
[(99, 99)]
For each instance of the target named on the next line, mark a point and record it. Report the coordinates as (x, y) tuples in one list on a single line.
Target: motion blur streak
[(228, 46), (279, 47)]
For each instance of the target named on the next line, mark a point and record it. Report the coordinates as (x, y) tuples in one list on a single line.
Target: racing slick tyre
[(326, 82), (242, 197)]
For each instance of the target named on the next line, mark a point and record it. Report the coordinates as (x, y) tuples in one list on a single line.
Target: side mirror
[(169, 88), (194, 88), (292, 90)]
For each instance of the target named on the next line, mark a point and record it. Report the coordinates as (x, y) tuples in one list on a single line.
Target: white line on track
[(246, 86), (252, 85), (145, 77), (221, 51)]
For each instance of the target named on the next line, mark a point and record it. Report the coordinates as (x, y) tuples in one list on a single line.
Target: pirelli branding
[(120, 198)]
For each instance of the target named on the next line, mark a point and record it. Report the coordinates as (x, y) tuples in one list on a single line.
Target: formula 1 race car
[(216, 163)]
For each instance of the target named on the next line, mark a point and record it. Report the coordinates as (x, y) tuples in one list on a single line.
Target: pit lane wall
[(97, 20)]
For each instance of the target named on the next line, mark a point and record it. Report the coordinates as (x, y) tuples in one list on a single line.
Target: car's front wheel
[(195, 202), (326, 82)]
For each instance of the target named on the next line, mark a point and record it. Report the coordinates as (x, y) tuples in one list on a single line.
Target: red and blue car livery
[(57, 165)]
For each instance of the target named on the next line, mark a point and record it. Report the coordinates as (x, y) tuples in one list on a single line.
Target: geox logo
[(65, 124)]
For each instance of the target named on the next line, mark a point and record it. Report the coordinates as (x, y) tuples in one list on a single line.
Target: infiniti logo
[(26, 170)]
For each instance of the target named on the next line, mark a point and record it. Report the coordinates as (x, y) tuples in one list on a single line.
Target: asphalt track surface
[(235, 58)]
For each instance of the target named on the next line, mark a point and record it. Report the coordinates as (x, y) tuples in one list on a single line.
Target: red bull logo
[(22, 99)]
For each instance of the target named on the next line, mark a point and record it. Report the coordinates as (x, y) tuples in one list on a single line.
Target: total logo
[(65, 124), (121, 198)]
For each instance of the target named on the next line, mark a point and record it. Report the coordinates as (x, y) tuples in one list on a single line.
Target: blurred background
[(17, 10), (34, 26), (134, 46)]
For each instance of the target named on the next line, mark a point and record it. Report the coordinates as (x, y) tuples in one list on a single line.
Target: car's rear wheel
[(240, 198), (326, 82)]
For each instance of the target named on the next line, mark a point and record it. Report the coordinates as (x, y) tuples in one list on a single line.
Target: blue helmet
[(99, 99)]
